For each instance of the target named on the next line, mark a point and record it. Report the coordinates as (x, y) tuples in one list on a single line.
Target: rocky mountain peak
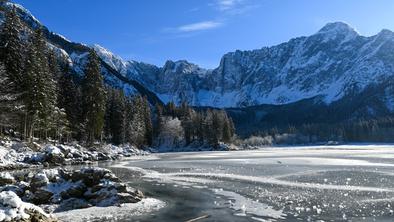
[(337, 27)]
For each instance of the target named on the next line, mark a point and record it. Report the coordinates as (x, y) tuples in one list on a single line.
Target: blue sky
[(201, 31)]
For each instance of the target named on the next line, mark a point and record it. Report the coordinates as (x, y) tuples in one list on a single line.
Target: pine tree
[(13, 48), (138, 130), (61, 126), (12, 51), (209, 130), (228, 129), (42, 97), (7, 100), (148, 122), (158, 120), (93, 99), (116, 117), (171, 109), (69, 100)]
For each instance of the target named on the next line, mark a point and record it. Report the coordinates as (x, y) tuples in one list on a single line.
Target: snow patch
[(244, 205), (12, 208), (145, 206)]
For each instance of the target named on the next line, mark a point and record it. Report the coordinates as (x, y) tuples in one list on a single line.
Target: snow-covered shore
[(27, 196), (35, 195), (18, 155)]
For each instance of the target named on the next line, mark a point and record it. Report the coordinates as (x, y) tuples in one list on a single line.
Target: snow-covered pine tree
[(158, 123), (208, 127), (228, 128), (12, 51), (148, 122), (136, 129), (94, 98), (41, 98), (7, 99), (61, 126), (116, 116), (69, 100)]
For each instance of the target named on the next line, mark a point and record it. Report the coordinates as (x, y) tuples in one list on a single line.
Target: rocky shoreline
[(34, 195), (59, 190)]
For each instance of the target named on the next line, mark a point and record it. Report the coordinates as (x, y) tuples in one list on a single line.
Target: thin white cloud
[(199, 26), (226, 10), (225, 5)]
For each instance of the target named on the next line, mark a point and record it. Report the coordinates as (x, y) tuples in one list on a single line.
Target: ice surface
[(145, 206), (245, 205), (309, 183)]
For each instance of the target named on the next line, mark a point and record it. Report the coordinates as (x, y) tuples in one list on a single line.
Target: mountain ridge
[(76, 54), (333, 76), (336, 54)]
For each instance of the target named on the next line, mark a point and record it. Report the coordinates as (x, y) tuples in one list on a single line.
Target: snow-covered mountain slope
[(334, 64), (331, 64), (76, 54)]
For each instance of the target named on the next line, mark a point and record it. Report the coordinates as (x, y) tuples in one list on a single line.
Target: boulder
[(54, 155), (6, 178), (73, 203), (14, 188), (128, 198), (75, 191), (42, 196), (90, 176), (103, 198), (39, 180), (65, 174), (12, 208), (36, 216)]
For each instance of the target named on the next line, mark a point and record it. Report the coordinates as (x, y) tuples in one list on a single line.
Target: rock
[(42, 196), (111, 177), (54, 155), (139, 194), (98, 187), (6, 178), (90, 176), (20, 147), (65, 174), (14, 188), (12, 208), (128, 198), (39, 180), (52, 175), (61, 189), (75, 191), (121, 188), (73, 203), (36, 216), (103, 198), (103, 156)]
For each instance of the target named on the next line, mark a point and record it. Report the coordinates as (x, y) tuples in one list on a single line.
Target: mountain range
[(333, 75)]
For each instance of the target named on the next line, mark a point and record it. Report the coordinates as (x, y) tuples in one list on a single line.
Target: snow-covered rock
[(60, 190), (12, 208)]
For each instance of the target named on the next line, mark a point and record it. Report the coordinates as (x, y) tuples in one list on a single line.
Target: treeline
[(184, 126), (42, 97), (363, 130), (28, 81)]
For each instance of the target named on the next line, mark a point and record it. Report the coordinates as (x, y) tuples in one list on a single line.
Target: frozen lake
[(277, 184)]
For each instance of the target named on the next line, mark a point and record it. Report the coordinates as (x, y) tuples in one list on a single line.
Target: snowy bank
[(17, 155), (59, 190), (111, 213), (12, 208)]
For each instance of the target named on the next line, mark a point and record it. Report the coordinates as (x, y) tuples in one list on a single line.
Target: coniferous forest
[(41, 97)]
